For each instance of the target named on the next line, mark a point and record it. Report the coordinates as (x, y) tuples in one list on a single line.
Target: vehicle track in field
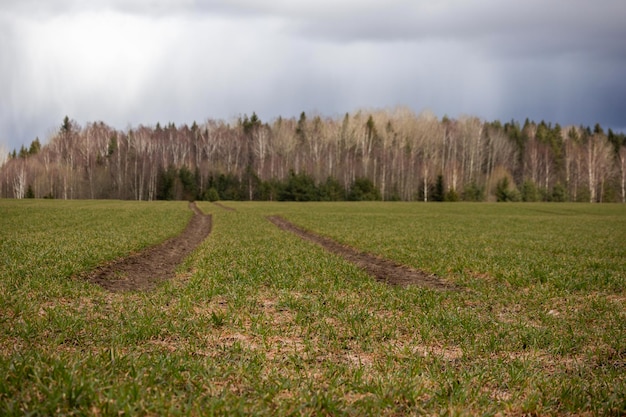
[(222, 206), (382, 269), (144, 270)]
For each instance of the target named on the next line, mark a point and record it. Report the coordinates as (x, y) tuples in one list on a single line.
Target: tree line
[(379, 155)]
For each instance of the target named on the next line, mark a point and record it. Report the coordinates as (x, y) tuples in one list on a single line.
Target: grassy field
[(259, 321)]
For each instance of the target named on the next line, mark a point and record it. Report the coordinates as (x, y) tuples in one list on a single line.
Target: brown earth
[(143, 270), (382, 269)]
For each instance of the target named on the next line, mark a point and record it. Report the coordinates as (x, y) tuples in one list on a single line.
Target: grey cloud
[(566, 24), (143, 61), (36, 8)]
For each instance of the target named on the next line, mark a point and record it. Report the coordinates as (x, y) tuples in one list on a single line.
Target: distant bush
[(529, 192), (505, 191), (29, 192), (559, 194), (166, 183), (473, 192), (363, 189), (452, 195), (299, 187), (229, 187), (270, 190), (211, 195), (332, 190)]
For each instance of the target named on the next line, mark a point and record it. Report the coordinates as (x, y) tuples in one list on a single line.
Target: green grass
[(42, 243), (268, 324)]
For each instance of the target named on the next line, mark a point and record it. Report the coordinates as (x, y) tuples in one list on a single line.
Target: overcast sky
[(131, 62)]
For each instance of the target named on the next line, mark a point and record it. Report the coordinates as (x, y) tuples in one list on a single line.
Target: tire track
[(382, 269), (144, 270)]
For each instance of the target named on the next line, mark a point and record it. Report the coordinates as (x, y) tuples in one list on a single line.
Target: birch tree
[(597, 153)]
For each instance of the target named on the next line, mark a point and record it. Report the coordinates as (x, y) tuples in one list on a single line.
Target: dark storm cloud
[(142, 61)]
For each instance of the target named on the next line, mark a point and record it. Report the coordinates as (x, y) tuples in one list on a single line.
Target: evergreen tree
[(211, 195), (35, 147), (112, 148), (438, 192), (559, 194), (229, 187), (300, 187), (452, 195), (529, 191), (66, 127), (597, 129), (363, 189), (166, 183), (505, 192), (301, 127), (331, 190), (473, 192), (23, 152), (188, 182)]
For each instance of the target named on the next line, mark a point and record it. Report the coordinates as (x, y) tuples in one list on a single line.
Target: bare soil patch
[(143, 270), (382, 269)]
